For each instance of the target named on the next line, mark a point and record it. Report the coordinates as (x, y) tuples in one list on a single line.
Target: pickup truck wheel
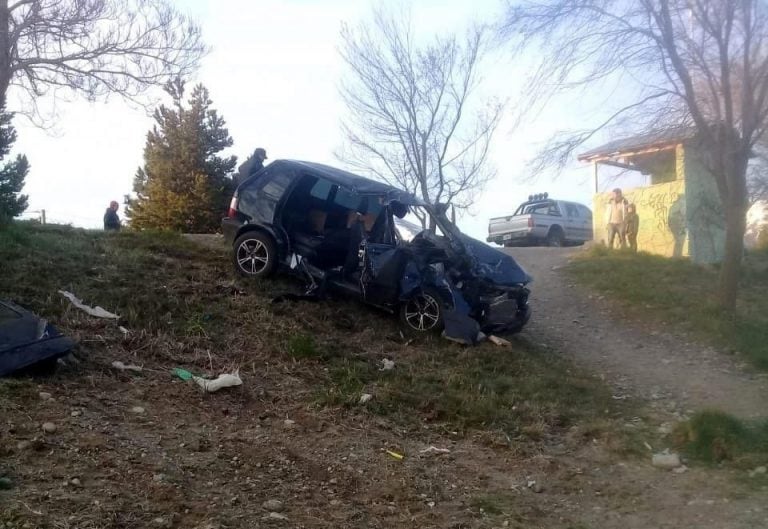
[(555, 237)]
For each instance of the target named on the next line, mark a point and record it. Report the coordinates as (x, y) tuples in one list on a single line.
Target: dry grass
[(307, 361)]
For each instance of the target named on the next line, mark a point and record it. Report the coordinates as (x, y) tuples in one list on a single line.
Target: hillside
[(532, 441)]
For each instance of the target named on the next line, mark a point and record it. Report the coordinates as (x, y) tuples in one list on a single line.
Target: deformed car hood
[(494, 265)]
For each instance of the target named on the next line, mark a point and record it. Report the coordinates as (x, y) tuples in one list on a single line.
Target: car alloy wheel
[(252, 256), (422, 312)]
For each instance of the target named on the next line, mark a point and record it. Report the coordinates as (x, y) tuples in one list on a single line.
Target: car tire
[(555, 237), (255, 255), (423, 312)]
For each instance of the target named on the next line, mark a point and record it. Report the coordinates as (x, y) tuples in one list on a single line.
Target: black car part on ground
[(27, 340)]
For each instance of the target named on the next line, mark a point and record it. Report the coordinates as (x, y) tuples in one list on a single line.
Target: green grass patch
[(520, 391), (713, 436), (303, 346), (153, 280), (682, 294)]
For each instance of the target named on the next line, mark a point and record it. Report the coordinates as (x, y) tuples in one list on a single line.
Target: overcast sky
[(273, 75)]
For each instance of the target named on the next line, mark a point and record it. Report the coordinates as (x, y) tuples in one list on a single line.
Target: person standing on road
[(111, 220), (616, 215), (632, 226), (251, 166)]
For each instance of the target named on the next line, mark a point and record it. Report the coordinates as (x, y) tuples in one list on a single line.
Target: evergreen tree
[(184, 185), (12, 174)]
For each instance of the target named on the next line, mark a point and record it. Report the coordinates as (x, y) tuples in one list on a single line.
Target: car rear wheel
[(255, 255), (423, 312), (555, 237)]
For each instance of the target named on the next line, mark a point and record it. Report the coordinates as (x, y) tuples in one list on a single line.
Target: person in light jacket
[(615, 217)]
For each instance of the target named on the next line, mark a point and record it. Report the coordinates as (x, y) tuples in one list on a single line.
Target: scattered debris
[(387, 365), (535, 486), (499, 341), (126, 367), (75, 482), (97, 311), (680, 470), (137, 410), (434, 450), (365, 397), (289, 424), (6, 484), (76, 413), (183, 374), (49, 427), (45, 395), (225, 380), (666, 460), (276, 516), (758, 471), (273, 506), (123, 330), (397, 456)]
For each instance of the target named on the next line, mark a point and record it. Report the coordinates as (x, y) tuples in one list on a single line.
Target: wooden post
[(42, 216), (597, 188)]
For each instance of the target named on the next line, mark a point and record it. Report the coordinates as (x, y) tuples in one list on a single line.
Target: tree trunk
[(735, 226)]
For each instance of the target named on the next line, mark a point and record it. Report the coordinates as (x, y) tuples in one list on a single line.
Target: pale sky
[(273, 74)]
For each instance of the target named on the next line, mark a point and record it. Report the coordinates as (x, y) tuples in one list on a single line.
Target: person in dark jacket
[(111, 220), (251, 166), (632, 226)]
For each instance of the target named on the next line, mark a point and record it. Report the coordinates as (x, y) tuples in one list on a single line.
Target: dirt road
[(673, 372)]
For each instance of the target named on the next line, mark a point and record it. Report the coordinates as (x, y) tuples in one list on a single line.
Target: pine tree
[(12, 174), (184, 185)]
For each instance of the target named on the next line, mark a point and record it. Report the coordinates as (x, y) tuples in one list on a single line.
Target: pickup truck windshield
[(541, 208)]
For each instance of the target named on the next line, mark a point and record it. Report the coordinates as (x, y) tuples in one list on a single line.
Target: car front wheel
[(423, 312), (255, 255)]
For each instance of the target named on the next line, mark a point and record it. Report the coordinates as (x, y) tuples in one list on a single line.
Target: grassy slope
[(680, 293), (183, 306)]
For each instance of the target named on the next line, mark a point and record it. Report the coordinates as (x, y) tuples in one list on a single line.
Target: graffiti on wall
[(661, 209)]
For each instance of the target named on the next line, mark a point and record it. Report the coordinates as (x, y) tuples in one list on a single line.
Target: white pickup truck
[(542, 220)]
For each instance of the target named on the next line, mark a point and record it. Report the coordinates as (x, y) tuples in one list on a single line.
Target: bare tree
[(409, 119), (93, 47), (702, 62)]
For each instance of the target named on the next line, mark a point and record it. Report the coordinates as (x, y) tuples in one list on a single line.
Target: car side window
[(260, 197), (585, 212), (572, 210), (554, 210), (322, 189)]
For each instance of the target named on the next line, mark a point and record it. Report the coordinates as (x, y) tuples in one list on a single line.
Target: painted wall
[(678, 218), (704, 213), (661, 209)]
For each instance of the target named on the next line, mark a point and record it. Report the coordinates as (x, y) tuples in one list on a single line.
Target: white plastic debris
[(97, 311), (365, 397), (387, 365), (126, 367), (501, 342), (225, 380), (123, 330), (666, 460), (434, 450)]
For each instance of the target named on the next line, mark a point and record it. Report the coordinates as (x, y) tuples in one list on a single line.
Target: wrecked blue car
[(347, 234)]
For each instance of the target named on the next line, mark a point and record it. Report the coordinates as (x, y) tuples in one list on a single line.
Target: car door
[(573, 226), (586, 215)]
